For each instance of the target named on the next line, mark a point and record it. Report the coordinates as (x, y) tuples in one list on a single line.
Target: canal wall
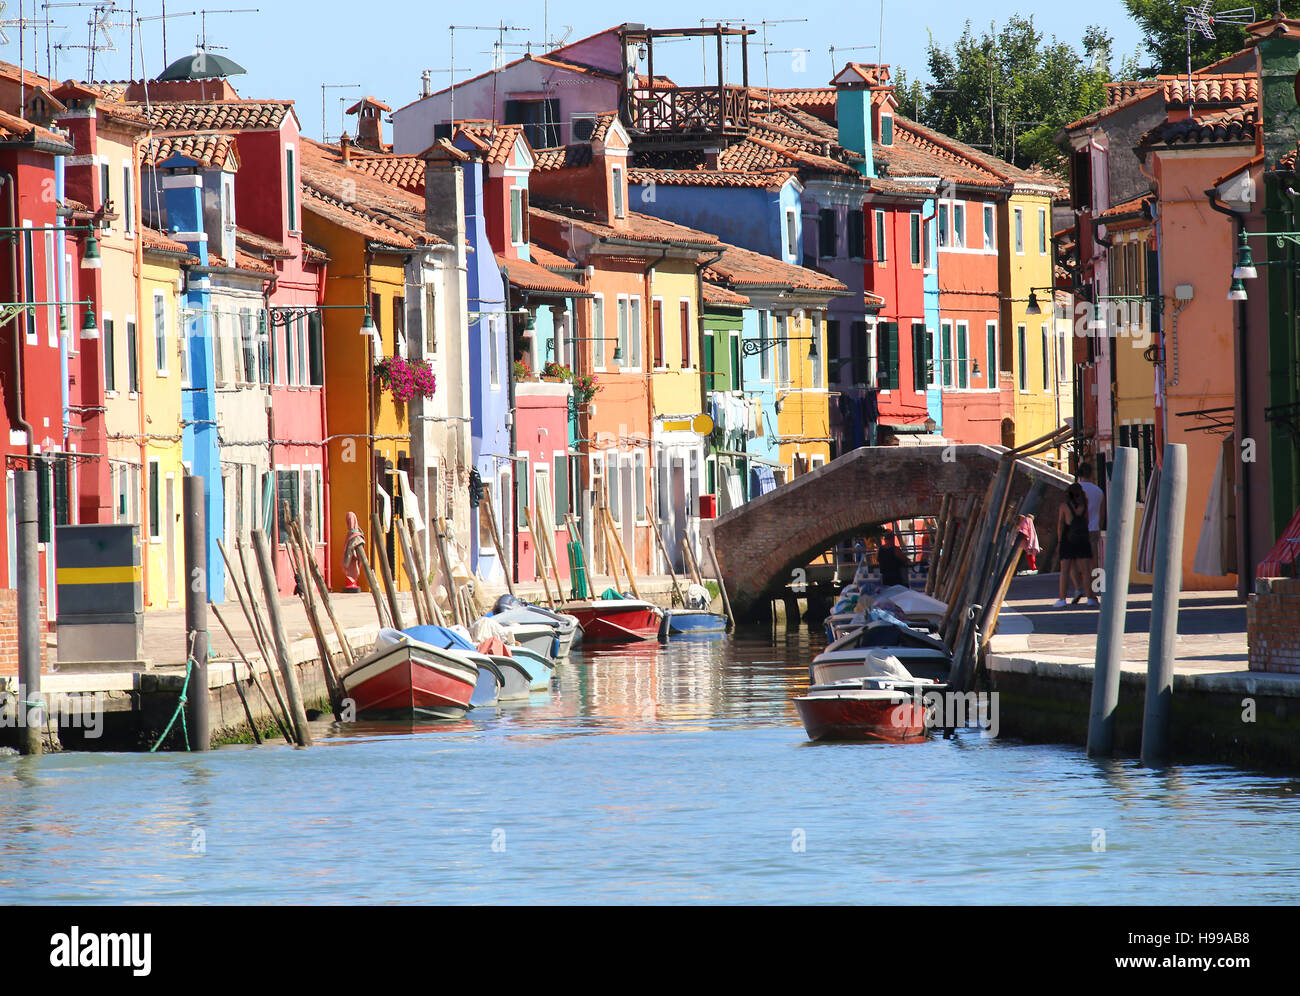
[(1244, 718)]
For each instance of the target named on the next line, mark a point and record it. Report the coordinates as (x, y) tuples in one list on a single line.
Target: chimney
[(444, 192), (1278, 49), (426, 84), (370, 123), (853, 86), (345, 148)]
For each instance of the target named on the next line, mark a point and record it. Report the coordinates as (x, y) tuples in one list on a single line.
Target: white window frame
[(165, 369), (619, 191), (878, 236), (150, 477), (960, 334), (687, 335), (990, 229), (1018, 225), (1042, 232), (1022, 358), (635, 331), (818, 382), (128, 200), (598, 344), (663, 355), (792, 234), (52, 291)]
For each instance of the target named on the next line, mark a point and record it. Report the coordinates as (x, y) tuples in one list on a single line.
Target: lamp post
[(1245, 266)]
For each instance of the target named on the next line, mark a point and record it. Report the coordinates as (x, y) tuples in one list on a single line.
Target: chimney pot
[(345, 148)]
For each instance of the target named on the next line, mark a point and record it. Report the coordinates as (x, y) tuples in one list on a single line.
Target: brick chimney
[(370, 123), (444, 192), (345, 148)]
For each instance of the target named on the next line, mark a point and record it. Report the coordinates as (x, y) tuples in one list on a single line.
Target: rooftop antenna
[(846, 48), (1201, 18), (164, 17), (324, 135), (203, 23), (500, 28), (99, 37)]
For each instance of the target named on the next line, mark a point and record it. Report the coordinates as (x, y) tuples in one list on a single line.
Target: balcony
[(687, 113)]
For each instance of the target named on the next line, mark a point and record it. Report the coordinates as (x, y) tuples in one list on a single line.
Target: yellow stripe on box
[(98, 575)]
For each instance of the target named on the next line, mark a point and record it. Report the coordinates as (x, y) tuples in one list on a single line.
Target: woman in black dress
[(1075, 543)]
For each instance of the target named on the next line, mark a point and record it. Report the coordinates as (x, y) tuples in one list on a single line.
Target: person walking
[(1096, 513), (1073, 542)]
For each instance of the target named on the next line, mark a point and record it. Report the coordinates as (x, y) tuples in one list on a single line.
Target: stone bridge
[(760, 543)]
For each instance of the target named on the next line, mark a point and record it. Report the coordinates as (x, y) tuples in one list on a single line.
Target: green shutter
[(918, 357), (42, 468), (963, 356), (893, 356), (316, 349)]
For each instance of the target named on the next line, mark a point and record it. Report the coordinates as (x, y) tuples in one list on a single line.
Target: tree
[(1164, 22), (1009, 90)]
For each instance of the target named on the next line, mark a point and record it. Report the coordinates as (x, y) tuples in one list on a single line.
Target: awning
[(1284, 552)]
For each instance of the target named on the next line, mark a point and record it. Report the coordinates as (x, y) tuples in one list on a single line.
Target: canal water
[(676, 775)]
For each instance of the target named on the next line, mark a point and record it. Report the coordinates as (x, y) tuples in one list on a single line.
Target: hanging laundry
[(1209, 548), (1146, 552)]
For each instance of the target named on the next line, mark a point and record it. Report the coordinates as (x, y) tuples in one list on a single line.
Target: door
[(629, 512), (677, 526), (170, 533)]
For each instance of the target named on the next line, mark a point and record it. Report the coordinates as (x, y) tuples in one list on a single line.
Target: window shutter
[(893, 355), (918, 357), (316, 350)]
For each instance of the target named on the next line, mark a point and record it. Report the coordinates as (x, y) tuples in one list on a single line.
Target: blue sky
[(291, 48)]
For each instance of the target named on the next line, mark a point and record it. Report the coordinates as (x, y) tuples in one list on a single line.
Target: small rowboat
[(617, 620), (692, 622), (866, 709), (407, 679)]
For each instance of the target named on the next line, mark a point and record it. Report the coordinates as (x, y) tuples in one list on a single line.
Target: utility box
[(101, 604), (708, 506)]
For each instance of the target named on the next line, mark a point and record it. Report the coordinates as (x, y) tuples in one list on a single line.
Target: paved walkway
[(1211, 625)]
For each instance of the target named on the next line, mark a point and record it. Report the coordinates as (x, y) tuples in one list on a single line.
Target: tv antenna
[(324, 136), (99, 31), (846, 48), (1201, 17), (500, 28)]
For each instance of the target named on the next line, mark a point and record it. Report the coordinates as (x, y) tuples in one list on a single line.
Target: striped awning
[(1280, 562)]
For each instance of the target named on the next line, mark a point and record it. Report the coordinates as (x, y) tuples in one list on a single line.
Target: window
[(927, 259), (29, 280), (598, 331), (861, 354), (540, 118), (1047, 360), (684, 323), (636, 332), (943, 226), (287, 376), (263, 349), (430, 321), (561, 479), (816, 361), (110, 355), (782, 324), (827, 236), (945, 360), (399, 326), (1022, 355), (990, 228), (991, 332), (764, 342), (657, 330), (160, 333), (132, 357), (623, 345), (1042, 232), (291, 183), (886, 129), (639, 503), (963, 356), (494, 351), (315, 350), (287, 492), (51, 290), (882, 253), (1019, 218), (857, 235), (920, 357), (105, 188), (616, 180), (832, 347), (183, 345), (914, 223), (887, 356), (932, 360), (155, 500), (300, 348), (128, 202), (959, 226), (791, 234), (516, 215), (612, 479)]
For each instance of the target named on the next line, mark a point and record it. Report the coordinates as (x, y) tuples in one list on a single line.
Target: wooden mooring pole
[(1165, 587), (266, 565), (196, 611), (1121, 499), (29, 705)]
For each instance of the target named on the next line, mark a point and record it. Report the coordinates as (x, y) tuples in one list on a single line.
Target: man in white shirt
[(1096, 511)]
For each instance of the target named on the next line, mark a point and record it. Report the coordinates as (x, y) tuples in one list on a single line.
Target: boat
[(515, 678), (691, 622), (522, 618), (487, 691), (886, 709), (405, 678), (849, 656), (617, 620), (540, 669)]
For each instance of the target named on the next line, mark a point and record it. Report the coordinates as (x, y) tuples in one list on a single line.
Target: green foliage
[(1009, 90), (1165, 26)]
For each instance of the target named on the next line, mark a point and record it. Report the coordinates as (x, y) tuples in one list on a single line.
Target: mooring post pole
[(196, 611), (1120, 499), (29, 706), (289, 675), (1165, 588)]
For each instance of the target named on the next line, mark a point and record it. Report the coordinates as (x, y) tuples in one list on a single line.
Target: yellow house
[(367, 229), (161, 371), (1033, 351), (802, 402)]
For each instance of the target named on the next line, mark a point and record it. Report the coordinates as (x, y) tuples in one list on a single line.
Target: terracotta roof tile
[(494, 142), (742, 269), (218, 115), (260, 245), (1214, 128), (152, 239), (562, 157), (535, 277), (206, 149), (709, 178), (716, 294), (406, 172), (14, 128), (551, 260), (636, 227)]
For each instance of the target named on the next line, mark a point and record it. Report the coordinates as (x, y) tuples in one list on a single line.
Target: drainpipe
[(267, 290), (647, 314), (1246, 557), (20, 405), (512, 417)]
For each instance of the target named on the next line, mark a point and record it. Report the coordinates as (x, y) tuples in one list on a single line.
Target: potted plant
[(405, 379), (586, 387), (557, 372), (521, 371)]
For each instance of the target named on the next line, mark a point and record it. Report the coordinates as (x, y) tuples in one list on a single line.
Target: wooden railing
[(688, 110)]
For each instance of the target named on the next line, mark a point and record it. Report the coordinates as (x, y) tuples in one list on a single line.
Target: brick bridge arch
[(761, 542)]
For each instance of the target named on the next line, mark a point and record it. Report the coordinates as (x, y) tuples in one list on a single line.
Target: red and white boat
[(407, 679), (617, 620), (866, 709)]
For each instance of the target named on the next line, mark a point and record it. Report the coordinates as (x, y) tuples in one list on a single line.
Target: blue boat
[(691, 622)]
